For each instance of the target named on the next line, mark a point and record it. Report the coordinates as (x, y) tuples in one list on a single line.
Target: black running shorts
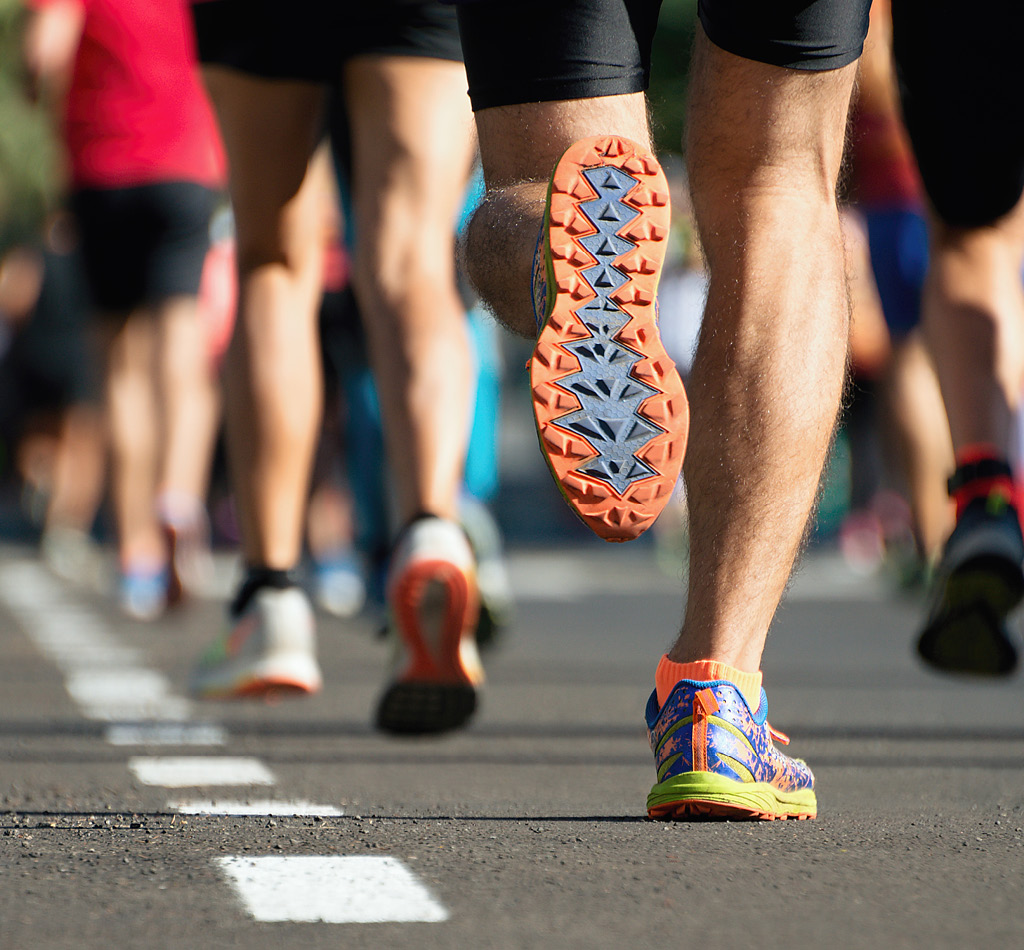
[(144, 244), (543, 50), (962, 82), (312, 39)]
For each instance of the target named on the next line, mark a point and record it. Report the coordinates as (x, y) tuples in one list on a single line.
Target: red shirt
[(136, 109)]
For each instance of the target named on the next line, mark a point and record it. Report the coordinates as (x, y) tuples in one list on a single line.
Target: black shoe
[(978, 582)]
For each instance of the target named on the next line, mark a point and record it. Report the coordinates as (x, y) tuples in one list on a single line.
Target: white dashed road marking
[(190, 771), (335, 890), (166, 733), (110, 683), (261, 806)]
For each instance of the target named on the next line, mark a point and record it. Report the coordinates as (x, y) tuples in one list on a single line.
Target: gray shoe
[(269, 648)]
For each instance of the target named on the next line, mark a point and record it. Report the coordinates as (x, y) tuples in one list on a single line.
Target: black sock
[(256, 578)]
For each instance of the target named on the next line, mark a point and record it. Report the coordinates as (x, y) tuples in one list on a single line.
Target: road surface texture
[(526, 830)]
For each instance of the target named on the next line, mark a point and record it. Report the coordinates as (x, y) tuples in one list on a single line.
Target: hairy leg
[(273, 389), (765, 146), (412, 144), (519, 146)]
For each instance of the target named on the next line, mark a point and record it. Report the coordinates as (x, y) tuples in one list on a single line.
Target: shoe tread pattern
[(611, 411)]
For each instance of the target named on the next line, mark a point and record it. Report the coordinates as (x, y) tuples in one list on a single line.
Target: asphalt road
[(526, 830)]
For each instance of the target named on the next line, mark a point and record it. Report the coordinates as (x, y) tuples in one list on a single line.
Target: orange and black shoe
[(717, 759), (610, 408), (433, 605)]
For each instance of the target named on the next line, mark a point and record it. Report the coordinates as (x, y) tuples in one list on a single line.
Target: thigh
[(412, 145), (271, 129), (961, 76), (756, 127)]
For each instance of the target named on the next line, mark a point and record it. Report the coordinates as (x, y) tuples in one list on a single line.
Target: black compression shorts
[(313, 39), (144, 244), (961, 82), (543, 50), (961, 74)]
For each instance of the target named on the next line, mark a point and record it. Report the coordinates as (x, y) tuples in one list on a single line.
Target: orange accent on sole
[(697, 810), (460, 605), (268, 689), (611, 515)]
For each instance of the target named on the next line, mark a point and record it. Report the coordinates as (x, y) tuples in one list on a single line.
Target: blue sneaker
[(716, 759), (142, 594)]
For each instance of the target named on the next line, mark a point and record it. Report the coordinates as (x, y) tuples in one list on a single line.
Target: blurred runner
[(146, 170), (50, 402), (397, 66), (886, 188)]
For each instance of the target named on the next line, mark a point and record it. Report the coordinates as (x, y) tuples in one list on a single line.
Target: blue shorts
[(899, 260)]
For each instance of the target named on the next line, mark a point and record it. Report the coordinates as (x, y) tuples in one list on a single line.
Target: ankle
[(257, 577), (982, 471), (669, 673)]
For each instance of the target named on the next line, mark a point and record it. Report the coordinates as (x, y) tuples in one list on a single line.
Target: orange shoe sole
[(611, 412), (435, 692)]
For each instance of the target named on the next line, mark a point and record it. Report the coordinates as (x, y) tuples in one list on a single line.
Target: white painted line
[(166, 733), (166, 709), (349, 889), (128, 686), (106, 678), (189, 771), (256, 806)]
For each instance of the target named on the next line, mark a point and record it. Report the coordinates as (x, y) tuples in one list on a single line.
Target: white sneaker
[(433, 605), (269, 649)]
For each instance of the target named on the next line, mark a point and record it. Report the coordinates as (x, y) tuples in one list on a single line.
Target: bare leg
[(189, 398), (78, 470), (764, 154), (136, 434), (272, 370), (413, 142), (973, 315), (919, 431), (519, 146)]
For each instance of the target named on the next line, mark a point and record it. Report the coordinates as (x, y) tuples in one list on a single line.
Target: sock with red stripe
[(981, 472)]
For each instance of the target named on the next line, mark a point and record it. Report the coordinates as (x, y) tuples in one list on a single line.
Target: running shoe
[(611, 413), (143, 593), (190, 558), (339, 587), (497, 604), (978, 582), (717, 759), (433, 603), (269, 649)]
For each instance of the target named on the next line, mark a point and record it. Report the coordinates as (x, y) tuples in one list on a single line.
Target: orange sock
[(669, 673)]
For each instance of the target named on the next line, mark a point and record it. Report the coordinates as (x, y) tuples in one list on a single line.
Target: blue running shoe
[(717, 759)]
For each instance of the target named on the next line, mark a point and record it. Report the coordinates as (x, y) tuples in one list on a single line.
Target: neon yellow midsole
[(720, 789)]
